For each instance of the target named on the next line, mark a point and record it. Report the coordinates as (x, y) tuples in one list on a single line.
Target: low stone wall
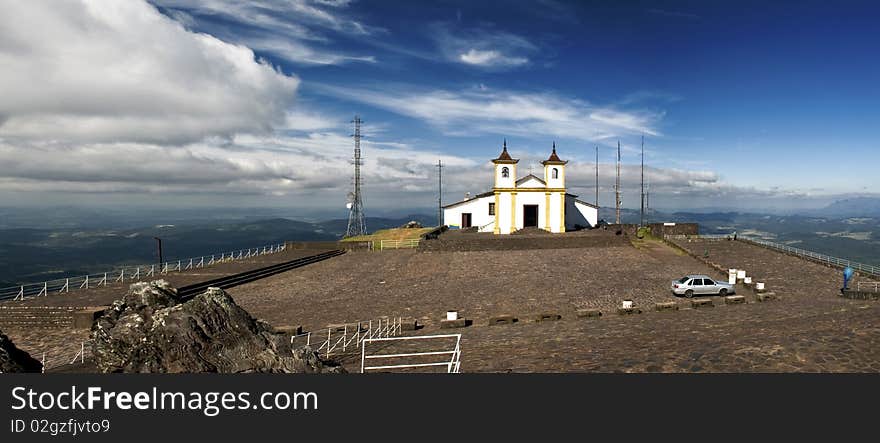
[(327, 245), (491, 242), (860, 295), (77, 317), (658, 229)]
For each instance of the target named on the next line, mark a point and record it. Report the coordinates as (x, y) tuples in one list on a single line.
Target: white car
[(699, 284)]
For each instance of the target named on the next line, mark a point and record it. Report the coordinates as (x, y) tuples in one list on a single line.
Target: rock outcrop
[(151, 330), (13, 359)]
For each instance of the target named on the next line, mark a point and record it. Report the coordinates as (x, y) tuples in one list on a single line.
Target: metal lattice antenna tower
[(439, 193), (617, 185), (356, 223)]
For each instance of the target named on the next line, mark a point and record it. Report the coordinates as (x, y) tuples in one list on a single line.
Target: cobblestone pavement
[(836, 335), (784, 274), (58, 346), (478, 284), (809, 329)]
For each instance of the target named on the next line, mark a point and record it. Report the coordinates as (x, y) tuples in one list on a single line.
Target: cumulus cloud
[(105, 71), (487, 111)]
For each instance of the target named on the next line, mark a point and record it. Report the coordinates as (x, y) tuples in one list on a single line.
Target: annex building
[(530, 201)]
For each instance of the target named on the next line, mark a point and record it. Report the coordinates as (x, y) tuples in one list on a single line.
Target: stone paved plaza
[(810, 328)]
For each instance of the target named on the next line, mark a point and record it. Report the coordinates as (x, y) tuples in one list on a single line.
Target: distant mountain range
[(35, 254), (851, 207), (79, 241)]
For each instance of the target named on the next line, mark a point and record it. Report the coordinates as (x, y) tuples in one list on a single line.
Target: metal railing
[(130, 273), (397, 244), (815, 256), (343, 338), (803, 253), (453, 364), (49, 361), (485, 227)]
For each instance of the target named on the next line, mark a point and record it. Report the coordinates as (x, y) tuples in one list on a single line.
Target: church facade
[(529, 201)]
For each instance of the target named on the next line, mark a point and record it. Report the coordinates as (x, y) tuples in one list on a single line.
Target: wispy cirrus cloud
[(299, 31), (484, 47), (488, 111)]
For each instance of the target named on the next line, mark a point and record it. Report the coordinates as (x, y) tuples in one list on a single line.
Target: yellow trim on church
[(547, 212), (512, 212), (497, 228)]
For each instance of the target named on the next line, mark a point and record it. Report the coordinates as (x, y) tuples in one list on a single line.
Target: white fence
[(348, 337), (452, 359), (868, 286), (130, 273), (395, 244), (822, 258), (815, 256)]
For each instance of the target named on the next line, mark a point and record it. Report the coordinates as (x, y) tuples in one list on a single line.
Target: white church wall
[(477, 207), (559, 181), (505, 182), (579, 214), (529, 198), (504, 214)]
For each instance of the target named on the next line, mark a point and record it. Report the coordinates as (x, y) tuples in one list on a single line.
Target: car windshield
[(683, 279)]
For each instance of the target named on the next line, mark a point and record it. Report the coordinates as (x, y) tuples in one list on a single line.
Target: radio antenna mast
[(642, 213), (356, 223), (617, 185), (597, 176)]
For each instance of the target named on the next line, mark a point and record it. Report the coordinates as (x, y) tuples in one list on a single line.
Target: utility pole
[(597, 176), (159, 251), (642, 213), (356, 223), (617, 185), (439, 193)]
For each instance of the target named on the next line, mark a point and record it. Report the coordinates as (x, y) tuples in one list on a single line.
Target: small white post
[(66, 287), (45, 291)]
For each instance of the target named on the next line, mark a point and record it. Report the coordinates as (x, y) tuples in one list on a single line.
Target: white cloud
[(482, 47), (295, 30), (490, 58), (486, 111), (107, 71)]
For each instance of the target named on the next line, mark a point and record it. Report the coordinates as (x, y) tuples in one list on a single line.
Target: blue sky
[(747, 105)]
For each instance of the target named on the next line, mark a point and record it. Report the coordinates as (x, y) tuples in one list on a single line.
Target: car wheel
[(689, 293), (722, 292)]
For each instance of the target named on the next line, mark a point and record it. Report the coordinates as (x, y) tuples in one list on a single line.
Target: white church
[(530, 201)]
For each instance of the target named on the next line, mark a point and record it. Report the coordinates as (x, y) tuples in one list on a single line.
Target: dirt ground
[(478, 284), (810, 328)]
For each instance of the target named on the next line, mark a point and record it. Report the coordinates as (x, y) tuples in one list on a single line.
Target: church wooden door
[(466, 220), (530, 215)]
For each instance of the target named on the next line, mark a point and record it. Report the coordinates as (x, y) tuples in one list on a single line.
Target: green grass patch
[(392, 234)]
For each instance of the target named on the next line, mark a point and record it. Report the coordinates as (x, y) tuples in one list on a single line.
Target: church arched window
[(555, 173), (505, 172)]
